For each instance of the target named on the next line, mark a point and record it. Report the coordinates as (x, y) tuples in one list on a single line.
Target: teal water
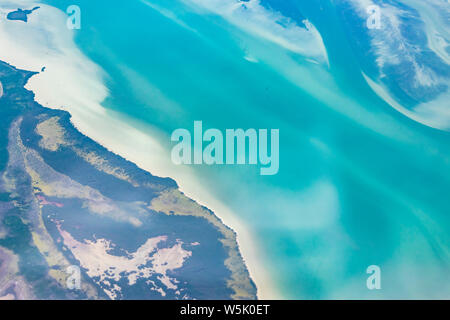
[(359, 184)]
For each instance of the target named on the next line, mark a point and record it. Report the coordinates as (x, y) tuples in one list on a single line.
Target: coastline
[(152, 157), (93, 120)]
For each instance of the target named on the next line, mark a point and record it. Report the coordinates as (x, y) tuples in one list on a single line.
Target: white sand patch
[(103, 267)]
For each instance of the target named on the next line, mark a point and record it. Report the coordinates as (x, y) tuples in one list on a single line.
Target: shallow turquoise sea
[(359, 184)]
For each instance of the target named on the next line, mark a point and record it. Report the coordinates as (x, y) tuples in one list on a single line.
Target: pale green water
[(359, 184)]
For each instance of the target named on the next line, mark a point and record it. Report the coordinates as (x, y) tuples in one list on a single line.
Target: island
[(20, 14)]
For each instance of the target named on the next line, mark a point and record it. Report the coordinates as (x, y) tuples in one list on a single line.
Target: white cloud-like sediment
[(253, 18), (392, 48)]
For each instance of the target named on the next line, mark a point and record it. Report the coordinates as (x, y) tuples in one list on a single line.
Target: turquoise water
[(359, 184)]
